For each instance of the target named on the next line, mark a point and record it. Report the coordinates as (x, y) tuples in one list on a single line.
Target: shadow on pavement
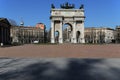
[(66, 69)]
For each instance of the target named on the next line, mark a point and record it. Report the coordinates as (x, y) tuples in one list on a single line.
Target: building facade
[(26, 35), (4, 31), (117, 34), (99, 35)]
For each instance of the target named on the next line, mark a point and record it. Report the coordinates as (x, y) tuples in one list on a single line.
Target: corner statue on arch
[(68, 15)]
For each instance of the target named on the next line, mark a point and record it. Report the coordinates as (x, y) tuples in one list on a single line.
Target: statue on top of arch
[(52, 6), (81, 7), (67, 6)]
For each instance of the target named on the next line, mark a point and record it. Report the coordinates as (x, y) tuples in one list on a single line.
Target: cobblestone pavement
[(63, 50), (59, 69)]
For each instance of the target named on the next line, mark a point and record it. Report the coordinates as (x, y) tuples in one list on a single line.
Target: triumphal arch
[(67, 24)]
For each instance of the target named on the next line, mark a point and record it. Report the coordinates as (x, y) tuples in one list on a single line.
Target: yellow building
[(25, 34), (99, 35)]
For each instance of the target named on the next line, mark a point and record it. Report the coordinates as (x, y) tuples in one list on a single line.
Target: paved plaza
[(62, 50)]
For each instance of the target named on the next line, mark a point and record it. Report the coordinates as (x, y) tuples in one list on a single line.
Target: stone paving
[(63, 50)]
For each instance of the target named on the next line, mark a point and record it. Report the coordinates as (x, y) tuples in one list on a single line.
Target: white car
[(36, 42)]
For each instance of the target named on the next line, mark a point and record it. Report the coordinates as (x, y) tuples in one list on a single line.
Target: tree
[(101, 36)]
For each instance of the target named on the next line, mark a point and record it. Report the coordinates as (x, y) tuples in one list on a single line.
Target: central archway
[(67, 33)]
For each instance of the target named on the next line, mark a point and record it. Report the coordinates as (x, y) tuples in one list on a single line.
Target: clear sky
[(98, 12)]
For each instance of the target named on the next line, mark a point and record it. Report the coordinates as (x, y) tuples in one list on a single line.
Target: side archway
[(56, 36), (78, 36)]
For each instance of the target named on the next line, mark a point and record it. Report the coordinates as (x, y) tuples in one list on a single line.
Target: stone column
[(4, 31), (52, 32), (5, 35), (61, 33), (1, 36), (95, 36), (82, 33), (74, 33)]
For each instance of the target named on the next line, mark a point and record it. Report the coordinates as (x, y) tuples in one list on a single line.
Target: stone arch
[(69, 24), (74, 18), (78, 36)]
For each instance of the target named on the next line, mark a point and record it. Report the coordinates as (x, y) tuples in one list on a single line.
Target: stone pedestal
[(83, 40), (52, 40), (60, 40), (75, 40)]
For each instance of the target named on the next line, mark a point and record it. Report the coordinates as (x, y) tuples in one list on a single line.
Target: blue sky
[(98, 12)]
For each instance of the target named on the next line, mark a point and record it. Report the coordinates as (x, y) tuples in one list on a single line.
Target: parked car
[(35, 42)]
